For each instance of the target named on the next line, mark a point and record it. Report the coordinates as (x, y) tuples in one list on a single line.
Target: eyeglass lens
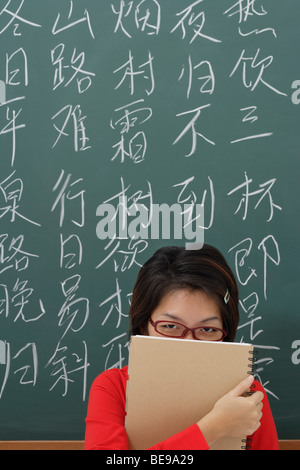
[(204, 333)]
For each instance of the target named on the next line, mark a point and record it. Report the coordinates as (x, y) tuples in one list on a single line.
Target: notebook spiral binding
[(253, 360), (247, 445), (252, 369)]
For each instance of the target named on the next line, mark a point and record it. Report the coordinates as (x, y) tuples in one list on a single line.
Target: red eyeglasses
[(178, 330)]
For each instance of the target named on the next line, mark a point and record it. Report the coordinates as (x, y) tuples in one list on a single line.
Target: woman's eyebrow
[(210, 319), (175, 317)]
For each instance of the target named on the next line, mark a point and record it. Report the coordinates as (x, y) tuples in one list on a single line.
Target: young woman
[(190, 294)]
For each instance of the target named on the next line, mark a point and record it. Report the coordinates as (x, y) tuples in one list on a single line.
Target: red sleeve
[(106, 413), (189, 439), (106, 416), (265, 438)]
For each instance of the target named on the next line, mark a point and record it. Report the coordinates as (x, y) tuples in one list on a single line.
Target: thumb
[(242, 387)]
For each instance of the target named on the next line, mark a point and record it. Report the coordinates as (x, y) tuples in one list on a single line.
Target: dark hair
[(175, 268)]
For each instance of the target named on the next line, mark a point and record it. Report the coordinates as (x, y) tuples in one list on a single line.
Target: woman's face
[(193, 309)]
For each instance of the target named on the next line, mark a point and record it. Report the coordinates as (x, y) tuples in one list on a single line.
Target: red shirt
[(106, 416)]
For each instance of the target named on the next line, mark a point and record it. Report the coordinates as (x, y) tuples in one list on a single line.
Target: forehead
[(190, 307)]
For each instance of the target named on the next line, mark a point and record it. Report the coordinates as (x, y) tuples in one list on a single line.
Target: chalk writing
[(11, 194), (252, 64), (146, 68), (65, 364), (208, 79), (74, 312), (265, 192), (22, 364), (9, 17), (13, 255), (146, 14), (187, 194), (133, 143), (188, 22), (113, 309), (253, 68), (67, 191), (15, 302), (245, 273), (245, 9), (123, 251), (191, 126), (13, 125), (74, 117), (133, 146), (74, 70), (16, 75), (63, 24), (250, 118)]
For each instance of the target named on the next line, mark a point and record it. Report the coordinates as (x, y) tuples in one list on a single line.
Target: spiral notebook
[(174, 382)]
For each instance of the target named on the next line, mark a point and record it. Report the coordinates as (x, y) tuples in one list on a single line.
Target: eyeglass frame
[(154, 324)]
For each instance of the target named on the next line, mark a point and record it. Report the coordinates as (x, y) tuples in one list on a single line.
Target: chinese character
[(74, 313), (76, 118), (28, 372), (191, 127), (189, 20), (19, 298), (70, 259), (147, 16), (244, 8), (251, 118), (67, 192), (65, 364), (117, 355), (208, 79), (15, 72), (115, 306), (133, 147), (265, 192), (129, 72), (12, 191), (71, 24), (259, 67), (14, 17), (83, 77), (13, 126), (12, 256), (188, 195)]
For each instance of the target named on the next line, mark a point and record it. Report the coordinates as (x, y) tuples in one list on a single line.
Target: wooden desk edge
[(41, 445), (78, 445)]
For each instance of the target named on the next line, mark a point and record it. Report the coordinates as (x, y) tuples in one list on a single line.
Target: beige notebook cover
[(174, 382)]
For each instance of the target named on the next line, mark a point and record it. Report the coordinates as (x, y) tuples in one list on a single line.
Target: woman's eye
[(171, 326)]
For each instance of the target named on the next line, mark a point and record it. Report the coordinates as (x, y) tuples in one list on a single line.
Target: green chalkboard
[(125, 106)]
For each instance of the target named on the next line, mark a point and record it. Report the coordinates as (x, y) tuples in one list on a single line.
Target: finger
[(243, 386), (260, 405), (257, 397), (256, 427)]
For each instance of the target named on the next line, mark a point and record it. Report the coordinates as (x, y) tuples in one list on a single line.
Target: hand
[(234, 415)]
